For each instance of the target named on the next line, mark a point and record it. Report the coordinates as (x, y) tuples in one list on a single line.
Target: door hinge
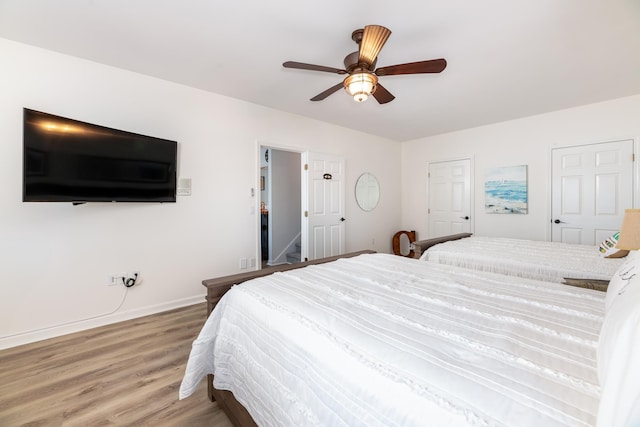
[(428, 210), (633, 157), (306, 214), (306, 166)]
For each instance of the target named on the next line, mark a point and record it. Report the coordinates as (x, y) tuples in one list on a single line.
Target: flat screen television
[(68, 160)]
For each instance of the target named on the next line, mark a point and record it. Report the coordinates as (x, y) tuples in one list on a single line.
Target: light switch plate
[(184, 187)]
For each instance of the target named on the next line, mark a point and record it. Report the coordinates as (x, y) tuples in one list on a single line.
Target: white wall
[(526, 141), (55, 258)]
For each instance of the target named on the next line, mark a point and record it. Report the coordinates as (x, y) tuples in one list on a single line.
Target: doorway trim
[(256, 193)]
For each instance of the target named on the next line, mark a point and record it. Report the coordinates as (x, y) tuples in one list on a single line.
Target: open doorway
[(280, 206)]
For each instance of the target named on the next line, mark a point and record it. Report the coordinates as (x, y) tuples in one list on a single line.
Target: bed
[(379, 340), (549, 261)]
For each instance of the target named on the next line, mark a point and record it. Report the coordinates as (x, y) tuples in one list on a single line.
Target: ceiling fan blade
[(303, 66), (331, 90), (382, 95), (373, 38), (420, 67)]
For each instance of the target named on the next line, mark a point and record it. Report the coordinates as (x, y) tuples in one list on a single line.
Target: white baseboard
[(82, 325)]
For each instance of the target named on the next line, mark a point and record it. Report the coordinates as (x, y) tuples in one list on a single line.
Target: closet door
[(592, 185), (450, 198)]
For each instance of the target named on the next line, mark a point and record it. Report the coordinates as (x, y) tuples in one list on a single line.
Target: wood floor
[(123, 374)]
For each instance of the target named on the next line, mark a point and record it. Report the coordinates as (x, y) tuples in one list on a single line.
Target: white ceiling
[(506, 59)]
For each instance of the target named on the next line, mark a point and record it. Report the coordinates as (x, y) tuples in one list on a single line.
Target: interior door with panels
[(592, 185), (324, 213), (449, 198)]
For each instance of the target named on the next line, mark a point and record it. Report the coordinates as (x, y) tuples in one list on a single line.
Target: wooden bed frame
[(422, 245), (216, 288)]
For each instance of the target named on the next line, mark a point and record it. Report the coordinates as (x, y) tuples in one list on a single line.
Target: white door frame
[(472, 205), (635, 183)]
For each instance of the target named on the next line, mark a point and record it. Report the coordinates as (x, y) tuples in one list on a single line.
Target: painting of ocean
[(505, 190)]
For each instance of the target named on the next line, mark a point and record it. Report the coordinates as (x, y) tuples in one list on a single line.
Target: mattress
[(549, 261), (381, 340)]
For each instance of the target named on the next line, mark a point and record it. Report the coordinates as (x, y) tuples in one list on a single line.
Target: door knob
[(464, 217), (557, 221), (342, 220)]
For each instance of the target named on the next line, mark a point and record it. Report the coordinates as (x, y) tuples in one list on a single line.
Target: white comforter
[(381, 340), (550, 261)]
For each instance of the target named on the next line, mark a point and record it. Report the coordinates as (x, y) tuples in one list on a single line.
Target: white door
[(592, 185), (450, 198), (323, 209)]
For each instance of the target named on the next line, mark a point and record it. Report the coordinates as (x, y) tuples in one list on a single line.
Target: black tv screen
[(67, 160)]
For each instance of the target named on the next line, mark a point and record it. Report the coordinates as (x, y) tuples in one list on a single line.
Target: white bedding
[(549, 261), (381, 340)]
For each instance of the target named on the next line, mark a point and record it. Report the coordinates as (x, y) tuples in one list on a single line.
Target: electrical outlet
[(132, 278), (113, 280), (135, 275), (252, 262), (243, 263)]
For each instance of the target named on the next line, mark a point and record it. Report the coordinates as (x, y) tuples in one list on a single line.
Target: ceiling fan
[(362, 79)]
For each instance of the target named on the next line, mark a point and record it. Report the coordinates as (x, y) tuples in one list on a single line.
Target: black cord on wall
[(130, 281)]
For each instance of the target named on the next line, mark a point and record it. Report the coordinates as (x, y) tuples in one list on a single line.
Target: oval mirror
[(367, 192)]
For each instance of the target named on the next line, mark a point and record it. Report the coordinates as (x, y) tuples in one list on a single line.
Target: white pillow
[(619, 354), (626, 272)]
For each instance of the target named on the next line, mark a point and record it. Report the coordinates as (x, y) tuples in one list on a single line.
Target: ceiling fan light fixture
[(362, 79), (361, 85)]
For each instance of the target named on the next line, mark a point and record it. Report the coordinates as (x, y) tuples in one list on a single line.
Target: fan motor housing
[(351, 63)]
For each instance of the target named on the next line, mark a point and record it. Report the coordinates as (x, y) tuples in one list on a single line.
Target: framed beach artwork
[(505, 190)]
